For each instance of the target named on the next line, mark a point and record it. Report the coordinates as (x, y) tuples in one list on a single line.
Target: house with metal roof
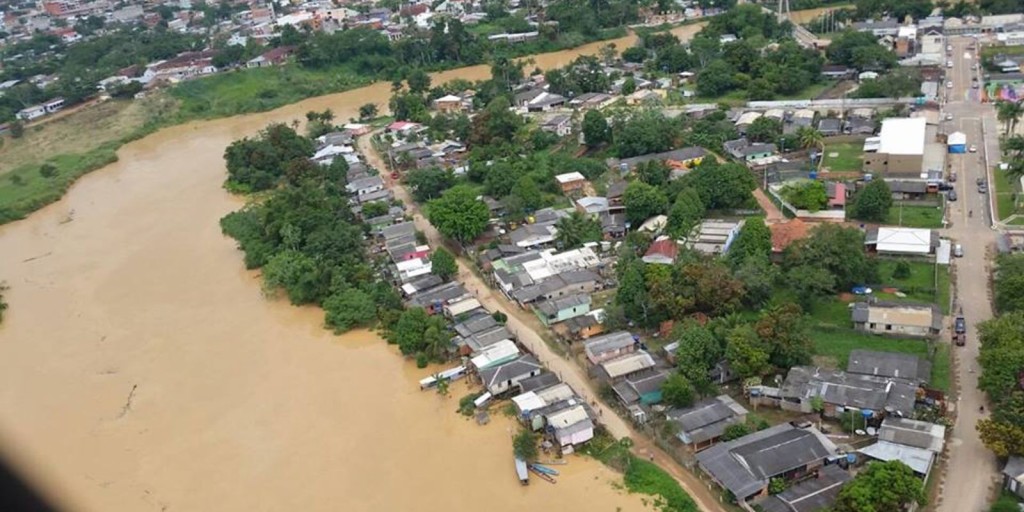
[(812, 495), (495, 355), (571, 426), (560, 309), (643, 387), (703, 423), (744, 466), (434, 299), (537, 382), (890, 364), (609, 346), (1013, 476), (477, 342), (614, 370), (902, 241), (897, 318), (501, 379), (840, 391)]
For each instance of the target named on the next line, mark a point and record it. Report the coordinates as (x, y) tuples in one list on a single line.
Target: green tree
[(758, 276), (260, 163), (837, 249), (784, 328), (764, 129), (48, 170), (1005, 503), (595, 128), (642, 202), (722, 186), (367, 111), (655, 173), (1009, 113), (577, 229), (881, 487), (716, 79), (375, 209), (17, 129), (524, 446), (296, 273), (644, 132), (349, 309), (806, 195), (746, 353), (527, 193), (631, 293), (685, 213), (809, 137), (810, 284), (459, 214), (418, 81), (902, 270), (754, 239), (429, 183), (735, 431), (407, 333), (677, 391), (1009, 283), (442, 264), (1003, 439), (628, 86), (873, 203)]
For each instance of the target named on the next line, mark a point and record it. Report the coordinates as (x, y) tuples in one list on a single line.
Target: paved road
[(526, 328), (971, 469)]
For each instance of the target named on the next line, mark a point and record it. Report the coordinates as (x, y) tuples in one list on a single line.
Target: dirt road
[(520, 323)]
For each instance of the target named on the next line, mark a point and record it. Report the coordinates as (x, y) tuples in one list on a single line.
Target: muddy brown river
[(141, 368)]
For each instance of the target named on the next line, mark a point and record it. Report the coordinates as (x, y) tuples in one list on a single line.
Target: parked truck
[(960, 329)]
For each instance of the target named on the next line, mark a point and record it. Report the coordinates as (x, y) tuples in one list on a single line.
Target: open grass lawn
[(1006, 187), (81, 131), (847, 156), (738, 98), (915, 216), (927, 283)]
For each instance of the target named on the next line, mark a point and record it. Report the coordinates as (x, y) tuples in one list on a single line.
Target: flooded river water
[(142, 369)]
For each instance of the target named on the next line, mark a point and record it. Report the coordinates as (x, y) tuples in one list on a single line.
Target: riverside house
[(502, 379)]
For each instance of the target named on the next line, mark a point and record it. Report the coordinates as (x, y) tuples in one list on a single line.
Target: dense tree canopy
[(873, 203), (836, 249), (881, 487), (260, 163), (722, 186), (459, 214)]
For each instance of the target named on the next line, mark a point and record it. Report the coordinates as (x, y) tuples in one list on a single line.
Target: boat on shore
[(558, 462), (450, 374), (544, 469), (521, 472), (543, 476)]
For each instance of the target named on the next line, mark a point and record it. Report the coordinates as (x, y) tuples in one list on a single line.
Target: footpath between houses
[(525, 327)]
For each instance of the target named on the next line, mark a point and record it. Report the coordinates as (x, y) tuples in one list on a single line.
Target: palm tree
[(809, 137), (1009, 113)]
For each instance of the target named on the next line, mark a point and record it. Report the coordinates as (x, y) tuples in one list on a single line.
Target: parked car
[(958, 251), (949, 85), (983, 188), (974, 85), (952, 177), (973, 148), (945, 186), (951, 195), (960, 325), (949, 117), (949, 63)]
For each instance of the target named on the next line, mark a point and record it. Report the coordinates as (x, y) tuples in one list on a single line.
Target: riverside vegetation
[(325, 63)]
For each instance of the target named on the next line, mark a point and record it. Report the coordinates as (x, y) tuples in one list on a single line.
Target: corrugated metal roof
[(568, 417), (629, 363), (920, 460)]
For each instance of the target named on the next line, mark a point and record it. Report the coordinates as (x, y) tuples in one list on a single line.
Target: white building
[(902, 241)]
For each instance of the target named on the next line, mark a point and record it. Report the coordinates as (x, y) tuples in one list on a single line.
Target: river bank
[(142, 368), (30, 191)]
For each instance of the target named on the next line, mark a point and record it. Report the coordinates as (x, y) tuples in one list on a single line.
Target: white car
[(949, 63), (949, 47), (973, 148), (958, 251), (949, 85), (949, 117)]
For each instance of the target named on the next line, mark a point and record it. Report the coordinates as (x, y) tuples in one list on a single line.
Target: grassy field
[(834, 337), (915, 216), (925, 284), (1006, 189), (82, 131), (257, 90), (847, 156)]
